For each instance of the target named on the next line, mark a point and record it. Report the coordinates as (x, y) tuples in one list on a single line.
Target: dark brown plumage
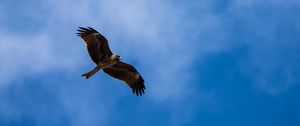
[(110, 63)]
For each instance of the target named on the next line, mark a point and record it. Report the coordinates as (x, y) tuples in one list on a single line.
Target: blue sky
[(205, 62)]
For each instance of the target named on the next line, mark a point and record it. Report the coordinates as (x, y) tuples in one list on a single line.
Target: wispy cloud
[(152, 36), (30, 55), (162, 39), (23, 55)]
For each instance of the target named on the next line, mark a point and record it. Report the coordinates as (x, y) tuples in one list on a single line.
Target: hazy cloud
[(163, 40)]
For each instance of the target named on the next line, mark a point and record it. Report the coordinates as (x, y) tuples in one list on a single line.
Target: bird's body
[(105, 63), (100, 53)]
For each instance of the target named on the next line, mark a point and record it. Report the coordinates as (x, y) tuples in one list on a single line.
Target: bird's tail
[(92, 72)]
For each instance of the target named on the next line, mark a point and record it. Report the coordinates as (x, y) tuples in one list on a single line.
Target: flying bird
[(111, 64)]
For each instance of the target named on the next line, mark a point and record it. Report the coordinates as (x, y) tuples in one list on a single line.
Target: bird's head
[(115, 57)]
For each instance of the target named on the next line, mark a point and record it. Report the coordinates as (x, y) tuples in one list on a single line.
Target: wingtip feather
[(85, 31)]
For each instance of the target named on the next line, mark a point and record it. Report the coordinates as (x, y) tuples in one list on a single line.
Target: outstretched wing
[(97, 44), (129, 75)]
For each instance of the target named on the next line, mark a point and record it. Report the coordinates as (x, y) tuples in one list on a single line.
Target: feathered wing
[(129, 75), (97, 44)]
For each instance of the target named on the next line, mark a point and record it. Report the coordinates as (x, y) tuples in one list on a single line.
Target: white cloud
[(30, 55), (169, 55), (22, 55), (164, 40), (157, 28)]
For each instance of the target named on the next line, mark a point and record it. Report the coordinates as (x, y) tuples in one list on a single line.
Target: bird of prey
[(111, 64)]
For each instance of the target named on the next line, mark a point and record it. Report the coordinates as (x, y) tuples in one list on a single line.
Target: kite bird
[(111, 64)]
